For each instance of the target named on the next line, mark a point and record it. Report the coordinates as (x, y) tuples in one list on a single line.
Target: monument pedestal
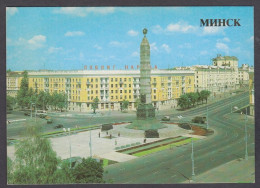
[(145, 111)]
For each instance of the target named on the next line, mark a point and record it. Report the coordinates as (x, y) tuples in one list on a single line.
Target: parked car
[(58, 126), (26, 113), (166, 118), (49, 121), (42, 115), (199, 119)]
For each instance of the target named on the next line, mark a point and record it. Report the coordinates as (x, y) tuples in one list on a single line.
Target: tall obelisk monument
[(145, 109)]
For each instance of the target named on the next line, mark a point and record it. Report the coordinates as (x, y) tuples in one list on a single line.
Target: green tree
[(125, 104), (9, 171), (204, 94), (22, 95), (88, 171), (183, 101), (94, 104), (137, 102), (35, 161), (10, 102), (62, 101), (193, 97)]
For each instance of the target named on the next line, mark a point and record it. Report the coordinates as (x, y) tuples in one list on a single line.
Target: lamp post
[(90, 144), (192, 152), (68, 130), (31, 109), (246, 151), (207, 117)]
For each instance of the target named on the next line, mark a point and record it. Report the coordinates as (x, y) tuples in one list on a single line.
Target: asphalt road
[(174, 166)]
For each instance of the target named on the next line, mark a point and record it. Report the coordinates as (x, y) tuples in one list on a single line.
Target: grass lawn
[(147, 152)]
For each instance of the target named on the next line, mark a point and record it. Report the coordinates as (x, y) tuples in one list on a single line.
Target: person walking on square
[(99, 134), (119, 134)]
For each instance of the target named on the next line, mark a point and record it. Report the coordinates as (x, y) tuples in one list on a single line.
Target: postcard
[(130, 95)]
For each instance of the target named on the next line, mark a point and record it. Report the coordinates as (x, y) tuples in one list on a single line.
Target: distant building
[(13, 82), (222, 76)]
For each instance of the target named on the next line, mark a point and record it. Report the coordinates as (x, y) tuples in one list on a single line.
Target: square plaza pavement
[(101, 147)]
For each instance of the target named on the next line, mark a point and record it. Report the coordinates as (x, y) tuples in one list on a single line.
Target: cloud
[(132, 33), (84, 11), (153, 47), (36, 41), (74, 33), (185, 45), (135, 54), (117, 44), (97, 47), (166, 48), (157, 29), (213, 30), (180, 27), (251, 39), (11, 10), (223, 47), (52, 50), (204, 52), (226, 39)]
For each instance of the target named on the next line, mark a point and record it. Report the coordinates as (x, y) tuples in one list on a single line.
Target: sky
[(67, 38)]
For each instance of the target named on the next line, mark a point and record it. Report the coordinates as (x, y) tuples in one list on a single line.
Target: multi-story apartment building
[(112, 86), (13, 82), (224, 75)]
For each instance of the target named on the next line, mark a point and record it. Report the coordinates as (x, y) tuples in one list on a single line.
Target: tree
[(10, 102), (137, 102), (88, 171), (22, 95), (62, 101), (125, 104), (193, 97), (183, 101), (204, 94), (35, 161), (94, 104)]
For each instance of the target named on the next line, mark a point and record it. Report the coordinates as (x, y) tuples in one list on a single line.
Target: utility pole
[(207, 117), (90, 144)]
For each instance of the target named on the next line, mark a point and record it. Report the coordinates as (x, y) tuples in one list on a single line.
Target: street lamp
[(68, 130), (246, 152), (31, 109), (90, 144), (192, 151)]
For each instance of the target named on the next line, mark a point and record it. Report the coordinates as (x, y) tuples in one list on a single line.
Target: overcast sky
[(69, 38)]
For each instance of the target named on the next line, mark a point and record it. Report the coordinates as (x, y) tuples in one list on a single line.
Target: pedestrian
[(107, 132), (110, 136), (99, 134), (145, 140), (115, 142), (119, 134)]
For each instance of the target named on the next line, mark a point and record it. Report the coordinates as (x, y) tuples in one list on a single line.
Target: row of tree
[(36, 162), (27, 96), (190, 99)]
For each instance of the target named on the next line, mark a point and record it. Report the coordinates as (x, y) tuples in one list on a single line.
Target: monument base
[(145, 111), (146, 124)]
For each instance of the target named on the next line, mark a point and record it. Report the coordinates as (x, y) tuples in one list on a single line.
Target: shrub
[(151, 133), (106, 127)]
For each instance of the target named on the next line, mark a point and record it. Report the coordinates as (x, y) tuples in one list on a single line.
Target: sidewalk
[(236, 171)]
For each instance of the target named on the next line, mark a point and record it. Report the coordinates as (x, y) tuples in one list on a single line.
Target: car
[(49, 121), (58, 126), (42, 115), (199, 119), (26, 113), (166, 118)]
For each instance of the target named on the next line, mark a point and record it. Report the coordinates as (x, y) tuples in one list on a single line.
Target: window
[(96, 91), (120, 79), (111, 79), (129, 85), (125, 96), (116, 85), (125, 91), (129, 79), (116, 79), (96, 86), (120, 91), (112, 91), (111, 85), (125, 85), (129, 96), (116, 91), (125, 79), (96, 80), (112, 97), (129, 91)]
